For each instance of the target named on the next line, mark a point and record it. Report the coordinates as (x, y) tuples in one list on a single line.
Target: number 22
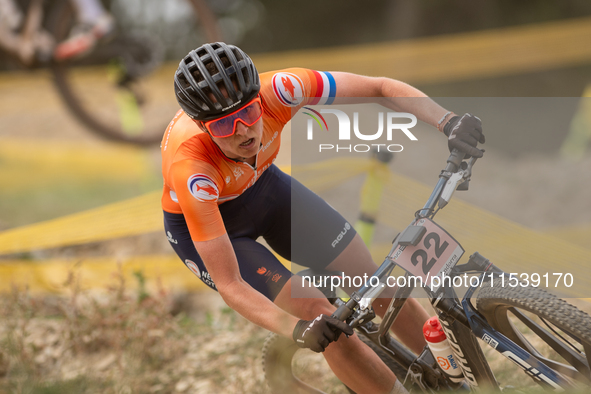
[(439, 249)]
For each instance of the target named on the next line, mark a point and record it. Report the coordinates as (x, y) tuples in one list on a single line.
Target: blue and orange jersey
[(198, 176)]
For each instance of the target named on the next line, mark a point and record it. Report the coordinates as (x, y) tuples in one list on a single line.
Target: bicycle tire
[(278, 354), (123, 114), (504, 306)]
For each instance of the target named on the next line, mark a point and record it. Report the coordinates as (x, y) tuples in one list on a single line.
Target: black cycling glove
[(463, 133), (317, 334)]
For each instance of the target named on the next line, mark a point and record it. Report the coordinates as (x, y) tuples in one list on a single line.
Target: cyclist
[(222, 191), (93, 23)]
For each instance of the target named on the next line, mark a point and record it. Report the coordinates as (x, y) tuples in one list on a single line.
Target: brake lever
[(468, 169), (456, 179)]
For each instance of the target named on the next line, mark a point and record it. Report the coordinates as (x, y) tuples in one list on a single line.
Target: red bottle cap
[(432, 331)]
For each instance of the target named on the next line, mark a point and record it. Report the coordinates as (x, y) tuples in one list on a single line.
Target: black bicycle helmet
[(202, 74)]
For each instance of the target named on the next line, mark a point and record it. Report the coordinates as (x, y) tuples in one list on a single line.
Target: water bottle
[(442, 352)]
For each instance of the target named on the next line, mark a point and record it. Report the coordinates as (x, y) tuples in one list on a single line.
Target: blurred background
[(75, 195), (448, 49)]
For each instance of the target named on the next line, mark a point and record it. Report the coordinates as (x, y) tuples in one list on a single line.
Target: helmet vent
[(214, 78)]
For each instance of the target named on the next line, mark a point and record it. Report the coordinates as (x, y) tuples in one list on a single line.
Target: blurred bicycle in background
[(116, 88)]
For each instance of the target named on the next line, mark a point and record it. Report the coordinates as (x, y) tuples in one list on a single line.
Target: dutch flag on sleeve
[(326, 88)]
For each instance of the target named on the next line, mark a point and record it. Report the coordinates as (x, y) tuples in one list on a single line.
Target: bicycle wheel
[(122, 90), (278, 353), (555, 332), (279, 357)]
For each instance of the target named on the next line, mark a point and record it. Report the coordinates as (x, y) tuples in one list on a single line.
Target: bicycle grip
[(454, 160)]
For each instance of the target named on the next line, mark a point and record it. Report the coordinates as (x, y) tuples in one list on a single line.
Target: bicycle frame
[(460, 321)]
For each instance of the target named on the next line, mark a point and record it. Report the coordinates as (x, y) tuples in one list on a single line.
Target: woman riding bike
[(222, 191)]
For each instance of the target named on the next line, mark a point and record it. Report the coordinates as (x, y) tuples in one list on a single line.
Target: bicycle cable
[(429, 215), (558, 334), (434, 213)]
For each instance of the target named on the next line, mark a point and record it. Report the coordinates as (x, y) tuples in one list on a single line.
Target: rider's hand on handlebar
[(463, 133), (317, 334)]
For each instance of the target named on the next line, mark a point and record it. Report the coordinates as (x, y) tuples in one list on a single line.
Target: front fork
[(424, 371)]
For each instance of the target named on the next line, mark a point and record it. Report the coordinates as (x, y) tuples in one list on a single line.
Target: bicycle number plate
[(435, 254)]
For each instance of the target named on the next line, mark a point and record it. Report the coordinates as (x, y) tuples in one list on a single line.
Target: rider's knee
[(316, 307)]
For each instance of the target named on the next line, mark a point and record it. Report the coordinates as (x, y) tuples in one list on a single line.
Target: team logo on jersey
[(170, 238), (193, 267), (203, 188), (261, 271), (238, 172), (288, 88)]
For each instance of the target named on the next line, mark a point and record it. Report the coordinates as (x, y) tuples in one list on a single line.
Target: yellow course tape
[(135, 216), (445, 58), (579, 235), (452, 57), (166, 271), (576, 143), (30, 165), (98, 273)]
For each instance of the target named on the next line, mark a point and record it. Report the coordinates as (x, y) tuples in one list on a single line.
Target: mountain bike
[(543, 336), (114, 90)]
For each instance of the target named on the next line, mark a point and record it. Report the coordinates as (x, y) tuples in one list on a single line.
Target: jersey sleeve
[(197, 189), (286, 91)]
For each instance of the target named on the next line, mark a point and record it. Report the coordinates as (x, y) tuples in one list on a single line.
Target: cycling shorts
[(295, 222)]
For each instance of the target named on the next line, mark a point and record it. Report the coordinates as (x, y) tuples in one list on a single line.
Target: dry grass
[(121, 342)]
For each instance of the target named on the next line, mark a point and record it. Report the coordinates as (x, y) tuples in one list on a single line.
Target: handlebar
[(454, 164)]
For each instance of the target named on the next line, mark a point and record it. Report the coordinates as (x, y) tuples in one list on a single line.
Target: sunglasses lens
[(250, 114), (224, 127)]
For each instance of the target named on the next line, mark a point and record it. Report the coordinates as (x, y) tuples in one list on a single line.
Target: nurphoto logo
[(393, 123)]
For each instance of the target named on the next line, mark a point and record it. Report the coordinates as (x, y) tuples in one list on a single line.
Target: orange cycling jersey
[(198, 176)]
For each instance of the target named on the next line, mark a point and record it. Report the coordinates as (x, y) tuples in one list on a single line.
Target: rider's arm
[(220, 260), (394, 92), (205, 223)]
